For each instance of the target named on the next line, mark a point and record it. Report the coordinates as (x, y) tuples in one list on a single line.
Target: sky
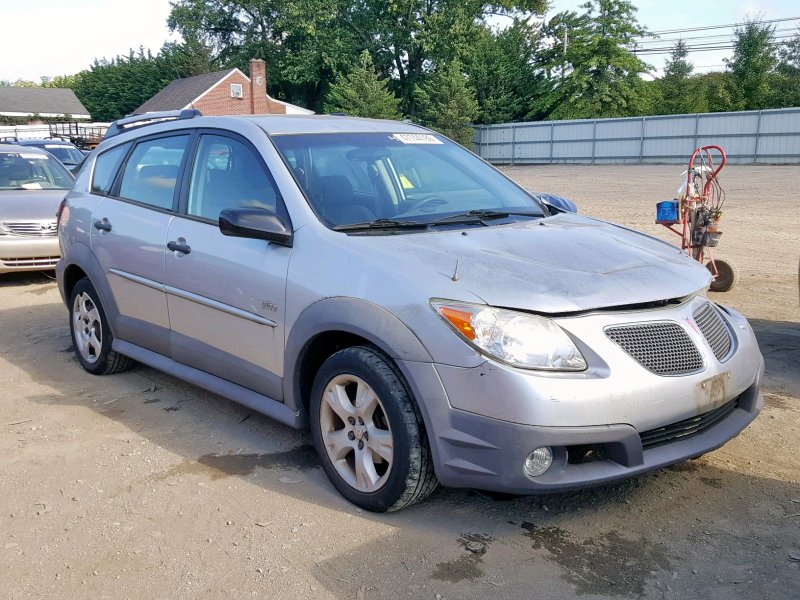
[(61, 37)]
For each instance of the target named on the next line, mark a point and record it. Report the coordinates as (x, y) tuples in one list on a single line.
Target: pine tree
[(361, 93), (447, 104), (597, 75), (680, 92)]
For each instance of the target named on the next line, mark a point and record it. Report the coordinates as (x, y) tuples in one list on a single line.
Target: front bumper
[(19, 253), (614, 423)]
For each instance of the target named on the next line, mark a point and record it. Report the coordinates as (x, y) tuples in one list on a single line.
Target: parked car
[(429, 320), (32, 184), (68, 153)]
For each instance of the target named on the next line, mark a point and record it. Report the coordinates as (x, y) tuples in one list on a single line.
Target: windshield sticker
[(416, 138), (31, 156), (31, 186), (53, 145)]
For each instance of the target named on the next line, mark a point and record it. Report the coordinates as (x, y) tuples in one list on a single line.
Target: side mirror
[(256, 223), (556, 202)]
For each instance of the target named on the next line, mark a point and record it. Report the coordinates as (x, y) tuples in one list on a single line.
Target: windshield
[(394, 180), (32, 171), (66, 154)]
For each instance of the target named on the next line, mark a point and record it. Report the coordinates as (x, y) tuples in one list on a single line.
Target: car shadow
[(625, 539), (26, 278), (779, 342)]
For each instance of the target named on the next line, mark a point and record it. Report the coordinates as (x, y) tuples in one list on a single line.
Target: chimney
[(258, 87)]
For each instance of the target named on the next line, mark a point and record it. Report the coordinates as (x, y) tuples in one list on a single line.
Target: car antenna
[(455, 276)]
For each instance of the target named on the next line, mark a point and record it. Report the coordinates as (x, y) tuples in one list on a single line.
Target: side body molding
[(350, 315)]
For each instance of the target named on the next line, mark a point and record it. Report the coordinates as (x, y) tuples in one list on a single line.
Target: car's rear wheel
[(91, 335), (368, 432)]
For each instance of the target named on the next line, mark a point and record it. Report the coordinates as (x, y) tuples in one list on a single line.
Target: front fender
[(350, 315)]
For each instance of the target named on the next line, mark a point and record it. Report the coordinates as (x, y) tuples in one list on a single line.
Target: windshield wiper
[(481, 215), (383, 224)]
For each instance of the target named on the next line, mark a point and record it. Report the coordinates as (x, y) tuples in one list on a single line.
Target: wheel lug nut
[(360, 421), (360, 444), (351, 435), (351, 420)]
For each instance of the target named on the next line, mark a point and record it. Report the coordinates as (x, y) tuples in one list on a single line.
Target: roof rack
[(134, 121)]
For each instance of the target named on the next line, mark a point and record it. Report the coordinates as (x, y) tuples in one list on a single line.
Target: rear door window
[(106, 167), (151, 173)]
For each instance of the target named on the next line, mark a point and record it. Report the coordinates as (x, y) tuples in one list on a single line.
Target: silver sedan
[(32, 184)]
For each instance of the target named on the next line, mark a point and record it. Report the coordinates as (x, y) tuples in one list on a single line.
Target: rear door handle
[(102, 224), (179, 247)]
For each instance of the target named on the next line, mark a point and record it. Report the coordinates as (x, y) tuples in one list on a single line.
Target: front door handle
[(102, 224), (179, 247)]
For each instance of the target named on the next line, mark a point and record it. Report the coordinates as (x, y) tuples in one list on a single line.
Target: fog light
[(538, 462)]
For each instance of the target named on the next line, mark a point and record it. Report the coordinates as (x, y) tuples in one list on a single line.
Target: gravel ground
[(141, 486)]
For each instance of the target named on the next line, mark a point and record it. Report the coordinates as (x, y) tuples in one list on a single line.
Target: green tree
[(753, 62), (719, 91), (785, 83), (110, 89), (307, 43), (503, 72), (447, 104), (680, 93), (361, 93), (597, 74), (61, 81), (19, 83)]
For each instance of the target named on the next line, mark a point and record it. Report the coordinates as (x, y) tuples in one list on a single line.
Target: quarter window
[(105, 168), (228, 174), (151, 172)]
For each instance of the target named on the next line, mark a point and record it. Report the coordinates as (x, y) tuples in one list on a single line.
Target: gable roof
[(41, 101), (182, 92)]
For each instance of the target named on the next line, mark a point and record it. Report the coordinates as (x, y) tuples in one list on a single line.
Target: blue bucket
[(667, 212)]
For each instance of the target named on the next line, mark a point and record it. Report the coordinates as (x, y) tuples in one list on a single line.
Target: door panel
[(131, 253), (226, 305), (226, 294)]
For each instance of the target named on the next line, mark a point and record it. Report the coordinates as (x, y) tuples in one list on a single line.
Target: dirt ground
[(141, 486)]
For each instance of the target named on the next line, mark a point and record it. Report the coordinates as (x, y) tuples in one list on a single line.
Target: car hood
[(559, 264), (30, 205)]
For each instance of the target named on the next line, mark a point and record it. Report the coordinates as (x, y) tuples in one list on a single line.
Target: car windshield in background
[(400, 182), (66, 154), (32, 171)]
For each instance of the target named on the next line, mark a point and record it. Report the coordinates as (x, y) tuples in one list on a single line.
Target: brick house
[(228, 92)]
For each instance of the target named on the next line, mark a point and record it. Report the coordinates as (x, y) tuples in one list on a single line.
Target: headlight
[(519, 339)]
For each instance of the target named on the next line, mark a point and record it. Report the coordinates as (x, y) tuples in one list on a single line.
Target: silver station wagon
[(427, 318)]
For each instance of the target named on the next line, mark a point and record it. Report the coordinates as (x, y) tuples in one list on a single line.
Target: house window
[(236, 90)]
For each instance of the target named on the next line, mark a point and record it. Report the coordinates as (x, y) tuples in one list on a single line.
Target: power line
[(729, 36), (650, 51), (730, 43), (707, 27)]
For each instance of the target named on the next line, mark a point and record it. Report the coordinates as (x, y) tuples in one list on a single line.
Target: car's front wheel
[(368, 432), (91, 335)]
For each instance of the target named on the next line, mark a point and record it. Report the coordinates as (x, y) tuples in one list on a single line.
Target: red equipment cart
[(695, 215)]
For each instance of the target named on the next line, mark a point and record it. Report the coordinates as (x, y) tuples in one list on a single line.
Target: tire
[(368, 432), (91, 335), (727, 275)]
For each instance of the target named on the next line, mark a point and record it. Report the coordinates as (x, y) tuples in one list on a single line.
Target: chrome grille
[(714, 330), (45, 262), (661, 347), (32, 228), (687, 427)]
